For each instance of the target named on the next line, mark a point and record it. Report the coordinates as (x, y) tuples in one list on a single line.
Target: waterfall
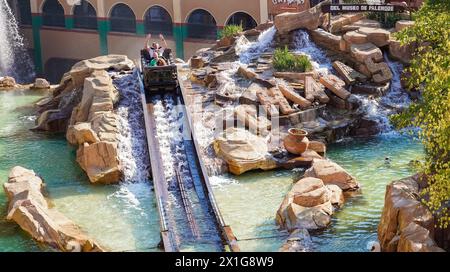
[(304, 45), (132, 142), (14, 59), (254, 49)]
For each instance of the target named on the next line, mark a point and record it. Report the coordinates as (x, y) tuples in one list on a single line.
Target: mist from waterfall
[(14, 58)]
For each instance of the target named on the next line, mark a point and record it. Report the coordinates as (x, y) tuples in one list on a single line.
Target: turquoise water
[(249, 202), (121, 217)]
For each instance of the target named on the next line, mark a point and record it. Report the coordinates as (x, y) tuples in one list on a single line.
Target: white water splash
[(14, 60), (304, 45), (251, 50), (132, 144)]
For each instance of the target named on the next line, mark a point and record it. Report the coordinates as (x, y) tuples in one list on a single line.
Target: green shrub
[(285, 61), (230, 30)]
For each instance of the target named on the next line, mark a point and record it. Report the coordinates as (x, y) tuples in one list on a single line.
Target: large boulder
[(243, 151), (100, 162), (7, 82), (402, 24), (308, 205), (402, 53), (29, 209), (378, 36), (406, 225), (338, 24), (327, 40), (309, 19), (83, 107), (331, 173), (41, 83)]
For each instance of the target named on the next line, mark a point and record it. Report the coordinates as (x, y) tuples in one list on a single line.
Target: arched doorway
[(84, 16), (157, 20), (53, 14), (201, 25), (122, 19), (242, 18)]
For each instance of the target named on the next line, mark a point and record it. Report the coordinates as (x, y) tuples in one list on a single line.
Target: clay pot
[(296, 141)]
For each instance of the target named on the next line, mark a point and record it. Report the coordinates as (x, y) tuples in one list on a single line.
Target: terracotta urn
[(296, 141)]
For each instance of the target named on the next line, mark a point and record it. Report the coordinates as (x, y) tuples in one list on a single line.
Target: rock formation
[(40, 84), (308, 19), (406, 225), (7, 83), (82, 105), (298, 241), (309, 205), (331, 173), (29, 209)]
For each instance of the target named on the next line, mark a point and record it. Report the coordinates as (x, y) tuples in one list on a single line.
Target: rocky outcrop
[(331, 173), (298, 241), (309, 19), (29, 209), (83, 107), (40, 84), (406, 225), (7, 83), (308, 205), (243, 151)]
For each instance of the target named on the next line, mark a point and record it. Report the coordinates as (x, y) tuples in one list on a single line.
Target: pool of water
[(249, 202), (120, 217)]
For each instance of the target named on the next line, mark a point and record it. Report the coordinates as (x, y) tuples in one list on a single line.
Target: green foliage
[(387, 20), (230, 30), (285, 61), (430, 73)]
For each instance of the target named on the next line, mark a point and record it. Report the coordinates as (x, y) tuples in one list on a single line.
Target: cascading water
[(254, 49), (304, 45), (14, 59), (132, 142)]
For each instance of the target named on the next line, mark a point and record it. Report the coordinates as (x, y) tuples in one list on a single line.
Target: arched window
[(201, 25), (122, 19), (157, 20), (84, 16), (242, 18), (53, 14)]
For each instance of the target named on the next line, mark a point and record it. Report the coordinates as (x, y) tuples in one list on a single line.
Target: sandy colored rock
[(246, 73), (293, 76), (402, 24), (41, 83), (341, 21), (247, 114), (355, 37), (331, 173), (243, 151), (81, 133), (378, 36), (401, 53), (406, 224), (381, 73), (309, 19), (361, 52), (7, 82), (294, 97), (197, 62), (29, 209), (100, 162), (335, 85), (317, 146), (326, 39), (336, 196), (298, 241), (349, 74), (315, 91)]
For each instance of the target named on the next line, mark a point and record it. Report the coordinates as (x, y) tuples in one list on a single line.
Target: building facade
[(61, 32)]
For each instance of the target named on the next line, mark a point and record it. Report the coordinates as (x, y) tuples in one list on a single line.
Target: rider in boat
[(155, 51)]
